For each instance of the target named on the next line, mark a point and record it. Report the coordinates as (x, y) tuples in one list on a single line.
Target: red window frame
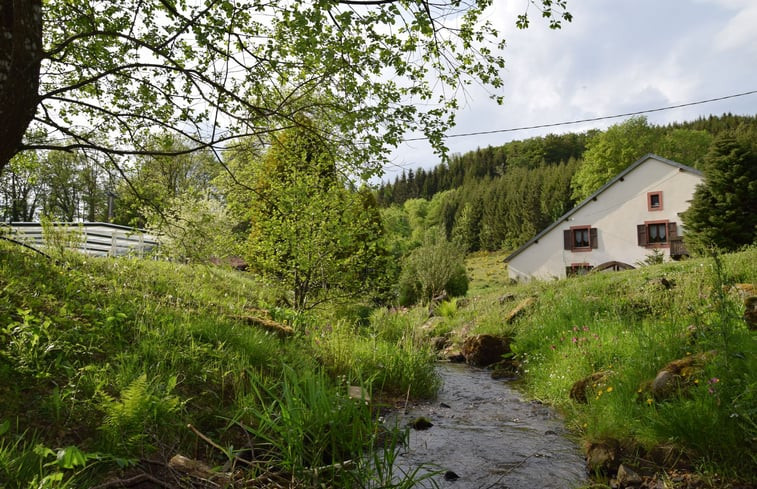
[(662, 224), (574, 241), (650, 197)]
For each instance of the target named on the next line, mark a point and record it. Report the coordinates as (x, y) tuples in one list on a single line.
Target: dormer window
[(654, 201)]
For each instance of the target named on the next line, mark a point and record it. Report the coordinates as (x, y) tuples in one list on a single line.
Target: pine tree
[(722, 210)]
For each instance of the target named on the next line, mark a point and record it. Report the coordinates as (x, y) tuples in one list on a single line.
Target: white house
[(618, 226)]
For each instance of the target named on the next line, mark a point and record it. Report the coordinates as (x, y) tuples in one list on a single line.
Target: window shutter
[(593, 238), (567, 237), (641, 233), (672, 231)]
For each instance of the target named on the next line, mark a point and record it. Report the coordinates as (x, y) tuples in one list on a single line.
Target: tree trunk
[(20, 57)]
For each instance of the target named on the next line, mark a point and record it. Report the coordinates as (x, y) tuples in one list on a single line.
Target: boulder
[(579, 388), (678, 375), (603, 456), (485, 349)]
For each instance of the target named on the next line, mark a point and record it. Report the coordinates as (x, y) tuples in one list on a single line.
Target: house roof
[(593, 196)]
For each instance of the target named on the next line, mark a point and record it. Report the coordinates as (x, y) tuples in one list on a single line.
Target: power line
[(593, 119)]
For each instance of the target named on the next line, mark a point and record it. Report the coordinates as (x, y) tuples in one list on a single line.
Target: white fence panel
[(97, 238)]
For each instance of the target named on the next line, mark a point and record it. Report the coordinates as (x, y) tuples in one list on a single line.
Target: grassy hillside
[(625, 327), (105, 362)]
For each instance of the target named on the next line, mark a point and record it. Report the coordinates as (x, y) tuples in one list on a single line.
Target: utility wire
[(593, 119)]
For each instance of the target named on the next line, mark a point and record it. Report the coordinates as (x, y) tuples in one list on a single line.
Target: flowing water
[(489, 437)]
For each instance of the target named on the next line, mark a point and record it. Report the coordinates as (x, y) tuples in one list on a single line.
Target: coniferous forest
[(499, 197)]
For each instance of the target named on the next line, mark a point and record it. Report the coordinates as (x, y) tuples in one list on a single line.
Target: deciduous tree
[(104, 74), (308, 229)]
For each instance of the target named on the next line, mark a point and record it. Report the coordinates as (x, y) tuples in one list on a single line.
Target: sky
[(615, 57)]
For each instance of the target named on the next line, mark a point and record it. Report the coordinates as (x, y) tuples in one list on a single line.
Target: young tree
[(215, 70), (722, 212), (308, 230), (437, 266)]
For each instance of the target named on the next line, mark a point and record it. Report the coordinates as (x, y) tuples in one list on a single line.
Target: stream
[(488, 436)]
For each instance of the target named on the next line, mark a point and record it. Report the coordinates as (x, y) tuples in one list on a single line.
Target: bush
[(437, 266)]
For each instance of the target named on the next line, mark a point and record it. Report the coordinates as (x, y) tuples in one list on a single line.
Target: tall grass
[(630, 325), (113, 358)]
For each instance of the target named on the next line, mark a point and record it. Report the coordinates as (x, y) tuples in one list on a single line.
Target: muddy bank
[(487, 436)]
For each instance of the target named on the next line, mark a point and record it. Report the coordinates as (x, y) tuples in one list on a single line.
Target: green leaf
[(71, 457)]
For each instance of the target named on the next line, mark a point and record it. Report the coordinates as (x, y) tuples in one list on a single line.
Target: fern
[(130, 420)]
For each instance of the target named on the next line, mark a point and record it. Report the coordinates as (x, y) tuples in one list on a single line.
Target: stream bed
[(487, 435)]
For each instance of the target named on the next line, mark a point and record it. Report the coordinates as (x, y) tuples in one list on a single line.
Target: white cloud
[(615, 57)]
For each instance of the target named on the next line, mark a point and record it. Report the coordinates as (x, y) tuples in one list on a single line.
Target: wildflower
[(649, 401), (696, 381), (586, 328), (575, 328), (609, 389), (714, 380), (575, 340)]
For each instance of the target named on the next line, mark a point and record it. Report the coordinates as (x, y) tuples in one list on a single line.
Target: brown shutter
[(672, 231), (641, 232), (567, 237), (593, 238)]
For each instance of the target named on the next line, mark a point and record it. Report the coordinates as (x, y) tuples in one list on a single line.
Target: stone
[(439, 343), (508, 368), (627, 477), (580, 387), (679, 375), (603, 456), (485, 349), (506, 298), (455, 357), (450, 476), (520, 309), (421, 423)]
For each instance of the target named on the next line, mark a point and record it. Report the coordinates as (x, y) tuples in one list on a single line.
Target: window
[(656, 234), (654, 201), (580, 238), (576, 269)]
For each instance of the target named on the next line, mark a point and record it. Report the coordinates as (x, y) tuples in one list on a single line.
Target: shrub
[(437, 266)]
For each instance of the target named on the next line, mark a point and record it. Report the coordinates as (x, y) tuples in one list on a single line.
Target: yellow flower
[(650, 401), (609, 389), (696, 381)]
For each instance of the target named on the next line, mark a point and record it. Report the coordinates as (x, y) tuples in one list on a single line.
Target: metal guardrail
[(92, 238)]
